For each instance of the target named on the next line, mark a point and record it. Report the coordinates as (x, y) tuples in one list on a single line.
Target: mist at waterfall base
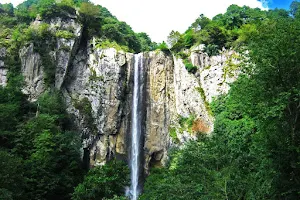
[(133, 192)]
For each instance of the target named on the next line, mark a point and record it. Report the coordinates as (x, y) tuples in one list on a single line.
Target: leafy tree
[(294, 8), (146, 43), (11, 176), (278, 13), (7, 8), (211, 49), (275, 73), (103, 182), (54, 166), (163, 46), (90, 13), (200, 23), (217, 35), (188, 38), (173, 38)]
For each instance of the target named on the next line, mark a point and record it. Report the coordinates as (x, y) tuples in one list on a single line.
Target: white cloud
[(15, 2), (159, 17)]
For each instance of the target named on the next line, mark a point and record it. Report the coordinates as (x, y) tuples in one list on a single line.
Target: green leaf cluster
[(103, 182), (39, 149), (227, 30)]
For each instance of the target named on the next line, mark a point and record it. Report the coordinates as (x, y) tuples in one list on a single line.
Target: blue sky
[(285, 4)]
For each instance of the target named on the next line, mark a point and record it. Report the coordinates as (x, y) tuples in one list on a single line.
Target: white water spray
[(136, 129)]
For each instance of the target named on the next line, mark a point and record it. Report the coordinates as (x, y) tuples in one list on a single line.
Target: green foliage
[(51, 103), (54, 165), (200, 23), (64, 34), (43, 42), (90, 17), (188, 38), (108, 44), (276, 84), (203, 96), (117, 198), (183, 55), (11, 176), (13, 106), (211, 50), (173, 135), (294, 8), (29, 9), (173, 38), (163, 46), (62, 10), (230, 67), (146, 43), (103, 182), (222, 31), (186, 123), (189, 66), (85, 108), (44, 159), (7, 9), (96, 20)]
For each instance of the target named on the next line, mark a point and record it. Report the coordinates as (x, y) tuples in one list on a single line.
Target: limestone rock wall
[(101, 79), (215, 73), (189, 100), (160, 107), (97, 87), (65, 48), (33, 72), (61, 57)]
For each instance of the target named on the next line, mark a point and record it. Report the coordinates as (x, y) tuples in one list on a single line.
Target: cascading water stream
[(136, 129)]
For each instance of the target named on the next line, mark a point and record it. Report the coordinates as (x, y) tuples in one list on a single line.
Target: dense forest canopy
[(253, 153)]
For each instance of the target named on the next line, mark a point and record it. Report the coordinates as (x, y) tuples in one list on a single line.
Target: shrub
[(64, 34), (103, 182), (189, 66), (163, 46), (182, 55), (173, 135), (189, 39), (112, 44), (203, 96), (186, 123), (211, 49)]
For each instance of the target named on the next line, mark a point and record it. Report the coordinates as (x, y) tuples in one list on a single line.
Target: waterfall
[(136, 128)]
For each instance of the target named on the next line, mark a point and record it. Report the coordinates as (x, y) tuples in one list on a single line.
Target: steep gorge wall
[(97, 88)]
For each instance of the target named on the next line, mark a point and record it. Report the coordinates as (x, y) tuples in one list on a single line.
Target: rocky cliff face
[(217, 72), (160, 106), (61, 56), (98, 94), (97, 88)]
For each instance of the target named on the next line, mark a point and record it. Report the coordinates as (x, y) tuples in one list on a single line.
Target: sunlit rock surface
[(97, 87)]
